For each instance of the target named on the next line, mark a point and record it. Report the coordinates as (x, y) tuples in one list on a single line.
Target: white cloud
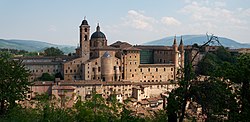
[(215, 15), (138, 20), (170, 21), (220, 3)]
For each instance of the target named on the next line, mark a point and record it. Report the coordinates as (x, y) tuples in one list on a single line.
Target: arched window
[(86, 38), (86, 29)]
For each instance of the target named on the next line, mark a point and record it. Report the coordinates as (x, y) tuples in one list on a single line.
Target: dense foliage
[(52, 51), (96, 109), (13, 82)]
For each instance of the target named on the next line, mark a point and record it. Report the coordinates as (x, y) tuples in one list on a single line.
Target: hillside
[(199, 39), (31, 45)]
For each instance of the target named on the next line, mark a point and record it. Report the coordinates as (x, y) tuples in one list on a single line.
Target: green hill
[(31, 45), (199, 39)]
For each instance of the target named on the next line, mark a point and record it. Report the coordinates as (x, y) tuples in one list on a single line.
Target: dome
[(84, 22), (106, 55), (98, 33)]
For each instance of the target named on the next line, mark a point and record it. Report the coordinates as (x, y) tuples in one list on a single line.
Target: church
[(121, 61), (128, 71)]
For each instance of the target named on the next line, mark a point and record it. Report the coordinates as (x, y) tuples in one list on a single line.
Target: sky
[(133, 21)]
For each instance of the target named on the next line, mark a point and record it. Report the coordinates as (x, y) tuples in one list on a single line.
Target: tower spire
[(84, 17), (175, 39), (98, 27), (181, 43)]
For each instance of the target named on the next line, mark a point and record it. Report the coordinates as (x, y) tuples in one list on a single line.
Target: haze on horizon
[(133, 21)]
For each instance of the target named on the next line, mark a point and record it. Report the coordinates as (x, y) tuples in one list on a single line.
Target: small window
[(149, 69), (132, 75), (156, 69)]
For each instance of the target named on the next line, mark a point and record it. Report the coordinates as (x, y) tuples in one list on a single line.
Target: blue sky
[(134, 21)]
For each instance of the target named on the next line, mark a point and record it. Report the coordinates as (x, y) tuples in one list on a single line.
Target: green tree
[(13, 83), (46, 77), (238, 73), (52, 51)]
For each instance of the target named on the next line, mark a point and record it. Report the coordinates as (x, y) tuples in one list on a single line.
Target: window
[(156, 69), (85, 38), (172, 69), (141, 69), (86, 29), (70, 71), (164, 69), (149, 69), (132, 75)]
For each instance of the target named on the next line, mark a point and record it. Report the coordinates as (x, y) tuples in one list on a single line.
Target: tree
[(13, 83), (238, 73), (178, 98), (46, 77), (52, 51)]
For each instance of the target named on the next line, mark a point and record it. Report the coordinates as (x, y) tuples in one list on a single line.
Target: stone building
[(120, 68), (121, 61)]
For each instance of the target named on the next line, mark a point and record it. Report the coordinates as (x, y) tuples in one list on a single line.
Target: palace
[(140, 71)]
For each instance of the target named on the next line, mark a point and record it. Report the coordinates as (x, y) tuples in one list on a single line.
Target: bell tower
[(84, 39)]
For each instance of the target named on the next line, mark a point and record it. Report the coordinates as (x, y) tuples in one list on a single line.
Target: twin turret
[(178, 54)]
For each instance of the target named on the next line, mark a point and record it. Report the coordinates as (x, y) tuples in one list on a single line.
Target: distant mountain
[(31, 45), (199, 39)]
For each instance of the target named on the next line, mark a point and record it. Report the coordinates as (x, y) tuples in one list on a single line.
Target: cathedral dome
[(98, 33)]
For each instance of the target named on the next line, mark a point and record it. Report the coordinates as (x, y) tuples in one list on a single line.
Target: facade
[(119, 69)]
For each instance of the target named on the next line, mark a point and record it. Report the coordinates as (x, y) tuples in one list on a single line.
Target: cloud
[(138, 20), (170, 21), (212, 14)]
